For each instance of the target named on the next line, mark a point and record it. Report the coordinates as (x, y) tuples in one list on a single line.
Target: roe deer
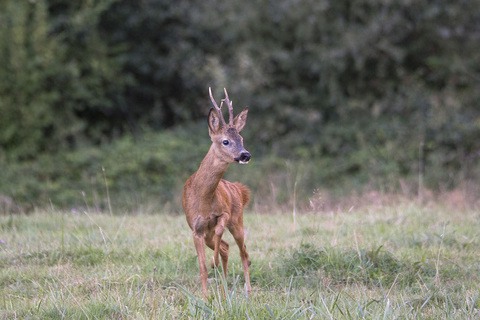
[(211, 203)]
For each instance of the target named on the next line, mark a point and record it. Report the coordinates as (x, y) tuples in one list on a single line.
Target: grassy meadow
[(376, 262)]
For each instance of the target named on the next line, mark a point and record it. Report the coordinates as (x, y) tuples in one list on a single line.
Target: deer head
[(227, 142)]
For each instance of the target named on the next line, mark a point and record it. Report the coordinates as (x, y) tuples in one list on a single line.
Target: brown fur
[(211, 203)]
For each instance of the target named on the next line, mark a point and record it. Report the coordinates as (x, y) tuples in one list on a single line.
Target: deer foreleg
[(240, 240), (200, 247), (219, 245)]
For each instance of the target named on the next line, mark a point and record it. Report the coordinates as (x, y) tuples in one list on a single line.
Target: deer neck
[(209, 174)]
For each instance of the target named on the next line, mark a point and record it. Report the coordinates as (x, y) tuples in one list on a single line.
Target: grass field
[(379, 262)]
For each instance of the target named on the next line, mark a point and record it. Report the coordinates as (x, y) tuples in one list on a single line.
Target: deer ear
[(213, 121), (241, 119)]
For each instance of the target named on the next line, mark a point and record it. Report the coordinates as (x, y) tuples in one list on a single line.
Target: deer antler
[(230, 107), (219, 109)]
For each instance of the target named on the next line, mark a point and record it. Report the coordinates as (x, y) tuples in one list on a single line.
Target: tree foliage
[(366, 89)]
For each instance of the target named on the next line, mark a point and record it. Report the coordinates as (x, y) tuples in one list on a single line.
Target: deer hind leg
[(224, 246), (220, 246), (239, 237), (200, 247)]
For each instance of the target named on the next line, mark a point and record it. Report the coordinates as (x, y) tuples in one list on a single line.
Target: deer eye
[(226, 142)]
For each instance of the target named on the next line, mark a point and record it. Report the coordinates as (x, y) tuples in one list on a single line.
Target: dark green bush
[(346, 92), (137, 173)]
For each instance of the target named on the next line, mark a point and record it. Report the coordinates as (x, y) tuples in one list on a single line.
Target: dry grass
[(399, 260)]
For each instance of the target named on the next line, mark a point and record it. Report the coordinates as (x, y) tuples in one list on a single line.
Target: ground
[(382, 261)]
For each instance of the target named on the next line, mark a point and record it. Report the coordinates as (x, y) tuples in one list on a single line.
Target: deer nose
[(244, 157)]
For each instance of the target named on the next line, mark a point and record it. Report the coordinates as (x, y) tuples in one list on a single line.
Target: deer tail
[(245, 194)]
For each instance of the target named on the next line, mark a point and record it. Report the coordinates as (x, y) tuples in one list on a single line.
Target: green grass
[(388, 262)]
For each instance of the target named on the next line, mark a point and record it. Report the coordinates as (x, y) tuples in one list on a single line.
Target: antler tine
[(219, 110), (230, 107)]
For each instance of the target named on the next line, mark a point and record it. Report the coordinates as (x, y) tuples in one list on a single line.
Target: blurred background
[(106, 101)]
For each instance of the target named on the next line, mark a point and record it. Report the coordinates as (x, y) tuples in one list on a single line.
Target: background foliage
[(343, 94)]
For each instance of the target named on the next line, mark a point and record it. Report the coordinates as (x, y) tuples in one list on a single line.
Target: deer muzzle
[(243, 158)]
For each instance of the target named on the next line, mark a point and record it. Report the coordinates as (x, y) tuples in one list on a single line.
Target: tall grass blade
[(196, 302)]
